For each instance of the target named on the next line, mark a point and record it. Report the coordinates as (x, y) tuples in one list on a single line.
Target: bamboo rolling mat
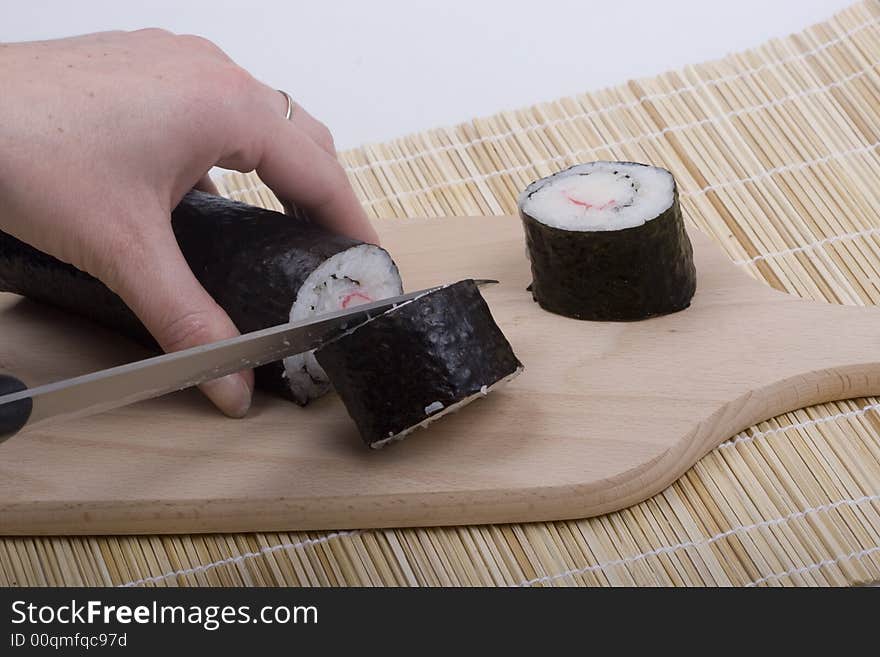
[(776, 154)]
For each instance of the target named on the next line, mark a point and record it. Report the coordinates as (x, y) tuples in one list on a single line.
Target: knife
[(22, 407)]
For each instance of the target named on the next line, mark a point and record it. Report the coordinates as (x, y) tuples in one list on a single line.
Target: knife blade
[(23, 407)]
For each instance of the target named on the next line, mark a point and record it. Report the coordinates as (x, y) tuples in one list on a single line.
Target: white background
[(376, 69)]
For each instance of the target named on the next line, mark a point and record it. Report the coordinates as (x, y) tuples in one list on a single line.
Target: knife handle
[(13, 415)]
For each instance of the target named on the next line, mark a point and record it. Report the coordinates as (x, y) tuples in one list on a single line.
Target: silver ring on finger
[(289, 114)]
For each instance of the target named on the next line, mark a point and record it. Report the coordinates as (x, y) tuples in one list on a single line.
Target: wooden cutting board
[(605, 414)]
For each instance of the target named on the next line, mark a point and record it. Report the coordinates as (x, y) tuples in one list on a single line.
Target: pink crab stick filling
[(590, 206), (348, 298)]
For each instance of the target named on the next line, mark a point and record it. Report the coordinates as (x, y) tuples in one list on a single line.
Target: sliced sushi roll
[(264, 268), (607, 242), (418, 362)]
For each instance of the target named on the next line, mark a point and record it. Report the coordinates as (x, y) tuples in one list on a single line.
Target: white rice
[(599, 196), (433, 407), (452, 408), (355, 276)]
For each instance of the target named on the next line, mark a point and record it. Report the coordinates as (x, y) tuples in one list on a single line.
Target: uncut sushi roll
[(262, 267), (607, 242), (419, 361)]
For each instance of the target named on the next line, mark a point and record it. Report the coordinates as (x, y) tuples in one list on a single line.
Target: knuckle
[(245, 155), (108, 35), (220, 92), (200, 42), (231, 92), (237, 79), (230, 83), (154, 32), (190, 329)]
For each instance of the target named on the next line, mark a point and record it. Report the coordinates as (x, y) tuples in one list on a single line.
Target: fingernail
[(231, 394)]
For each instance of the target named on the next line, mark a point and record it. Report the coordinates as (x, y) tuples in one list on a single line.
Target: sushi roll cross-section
[(418, 362), (607, 242)]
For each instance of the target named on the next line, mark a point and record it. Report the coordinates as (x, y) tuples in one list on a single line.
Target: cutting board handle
[(13, 415)]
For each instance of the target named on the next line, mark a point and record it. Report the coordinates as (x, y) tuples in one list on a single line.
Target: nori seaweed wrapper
[(613, 275), (401, 368), (251, 260)]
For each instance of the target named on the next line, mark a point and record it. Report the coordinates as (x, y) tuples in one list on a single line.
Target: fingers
[(316, 130), (206, 184), (157, 284), (297, 160), (297, 169)]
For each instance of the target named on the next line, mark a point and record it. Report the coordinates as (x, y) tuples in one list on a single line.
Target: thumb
[(159, 287)]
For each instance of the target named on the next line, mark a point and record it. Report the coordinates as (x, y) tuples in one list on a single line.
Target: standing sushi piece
[(419, 361), (607, 242), (262, 267)]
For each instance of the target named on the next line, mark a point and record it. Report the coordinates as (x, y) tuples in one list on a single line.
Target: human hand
[(102, 135)]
